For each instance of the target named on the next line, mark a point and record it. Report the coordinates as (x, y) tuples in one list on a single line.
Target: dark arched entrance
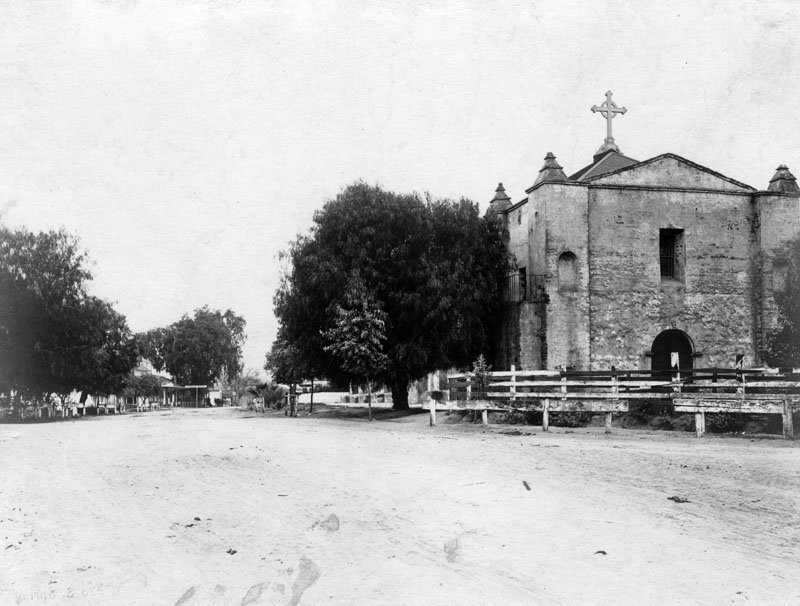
[(665, 344)]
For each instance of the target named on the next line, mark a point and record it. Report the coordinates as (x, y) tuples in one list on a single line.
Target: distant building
[(624, 262)]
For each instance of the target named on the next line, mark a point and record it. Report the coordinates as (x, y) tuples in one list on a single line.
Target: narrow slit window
[(670, 246)]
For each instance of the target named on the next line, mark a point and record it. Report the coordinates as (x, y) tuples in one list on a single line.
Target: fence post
[(700, 423), (615, 398), (546, 415), (513, 382), (788, 426)]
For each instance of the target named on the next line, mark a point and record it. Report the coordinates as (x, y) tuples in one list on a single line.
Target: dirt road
[(219, 506)]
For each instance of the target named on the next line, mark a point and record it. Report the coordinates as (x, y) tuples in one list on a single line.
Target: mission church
[(633, 264)]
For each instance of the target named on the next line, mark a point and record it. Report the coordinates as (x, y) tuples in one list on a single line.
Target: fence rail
[(701, 391)]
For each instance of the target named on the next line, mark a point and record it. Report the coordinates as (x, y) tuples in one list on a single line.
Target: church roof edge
[(605, 160), (540, 183), (679, 159)]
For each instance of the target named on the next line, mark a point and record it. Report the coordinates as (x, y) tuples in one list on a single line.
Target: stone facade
[(622, 267)]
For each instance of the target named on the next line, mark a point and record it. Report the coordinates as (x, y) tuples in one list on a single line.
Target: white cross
[(609, 109)]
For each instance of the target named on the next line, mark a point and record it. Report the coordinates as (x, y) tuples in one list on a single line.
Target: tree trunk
[(400, 395), (369, 399), (293, 400)]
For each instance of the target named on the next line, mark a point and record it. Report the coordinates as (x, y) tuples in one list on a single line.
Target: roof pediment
[(670, 171)]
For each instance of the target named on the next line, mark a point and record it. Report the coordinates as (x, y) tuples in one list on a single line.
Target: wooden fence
[(698, 391)]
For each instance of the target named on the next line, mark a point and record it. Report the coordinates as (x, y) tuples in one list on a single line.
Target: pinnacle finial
[(551, 170), (499, 202), (500, 193), (783, 181)]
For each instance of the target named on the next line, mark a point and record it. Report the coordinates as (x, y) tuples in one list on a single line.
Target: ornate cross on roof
[(609, 110)]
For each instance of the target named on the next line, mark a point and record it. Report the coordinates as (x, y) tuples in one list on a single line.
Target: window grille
[(667, 253)]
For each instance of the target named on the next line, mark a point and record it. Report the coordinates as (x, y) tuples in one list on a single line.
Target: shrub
[(725, 422), (755, 426), (519, 417), (274, 395), (661, 422), (642, 413), (572, 419), (684, 422)]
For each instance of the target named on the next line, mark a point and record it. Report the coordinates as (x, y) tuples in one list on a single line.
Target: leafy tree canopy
[(199, 349), (53, 336), (286, 363), (358, 335), (433, 267), (144, 385)]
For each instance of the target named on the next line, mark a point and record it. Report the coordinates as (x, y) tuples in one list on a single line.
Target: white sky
[(186, 143)]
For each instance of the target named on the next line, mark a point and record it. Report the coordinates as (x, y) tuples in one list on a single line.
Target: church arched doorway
[(669, 342)]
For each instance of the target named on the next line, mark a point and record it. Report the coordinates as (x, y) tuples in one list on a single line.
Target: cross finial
[(609, 109)]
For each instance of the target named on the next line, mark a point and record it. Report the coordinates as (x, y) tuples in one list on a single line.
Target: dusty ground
[(223, 507)]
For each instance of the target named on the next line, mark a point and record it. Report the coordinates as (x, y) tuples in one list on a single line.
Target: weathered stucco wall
[(521, 335), (632, 304), (779, 218), (518, 241), (562, 209), (520, 343)]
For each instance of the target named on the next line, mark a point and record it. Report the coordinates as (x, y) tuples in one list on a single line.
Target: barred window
[(670, 245)]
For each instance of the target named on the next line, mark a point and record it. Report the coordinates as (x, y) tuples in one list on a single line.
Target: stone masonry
[(636, 258)]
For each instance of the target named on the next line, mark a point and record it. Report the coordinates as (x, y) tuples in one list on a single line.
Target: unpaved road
[(204, 507)]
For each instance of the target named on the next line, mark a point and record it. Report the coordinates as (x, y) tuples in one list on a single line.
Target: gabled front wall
[(631, 304), (671, 171)]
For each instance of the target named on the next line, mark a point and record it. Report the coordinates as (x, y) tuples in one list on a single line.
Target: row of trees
[(387, 287), (54, 336), (57, 338)]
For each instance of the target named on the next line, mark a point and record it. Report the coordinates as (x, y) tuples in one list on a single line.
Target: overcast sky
[(187, 142)]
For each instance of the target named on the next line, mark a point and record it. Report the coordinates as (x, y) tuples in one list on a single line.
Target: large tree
[(153, 345), (434, 267), (54, 337), (199, 349)]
